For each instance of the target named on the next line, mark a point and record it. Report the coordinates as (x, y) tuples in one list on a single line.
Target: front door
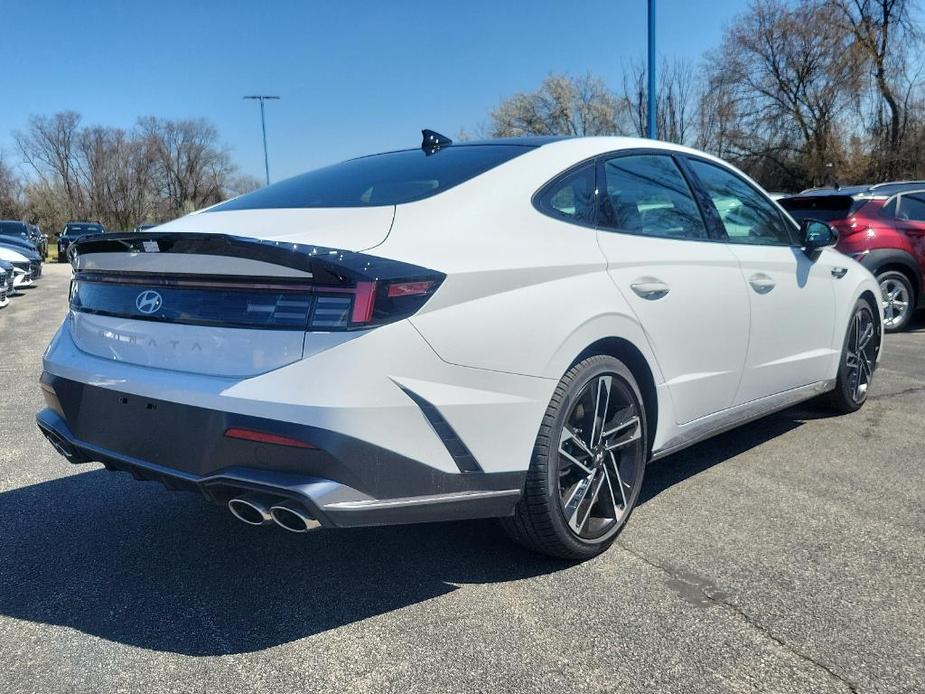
[(792, 298)]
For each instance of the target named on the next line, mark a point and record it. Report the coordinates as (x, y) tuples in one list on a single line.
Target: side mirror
[(815, 235)]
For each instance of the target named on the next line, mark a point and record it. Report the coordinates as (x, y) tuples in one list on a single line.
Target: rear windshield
[(13, 229), (825, 208), (81, 229), (380, 179)]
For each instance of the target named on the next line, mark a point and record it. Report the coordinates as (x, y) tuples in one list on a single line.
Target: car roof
[(866, 190), (587, 145), (521, 140)]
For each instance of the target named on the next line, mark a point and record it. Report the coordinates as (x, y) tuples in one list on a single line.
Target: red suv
[(881, 226)]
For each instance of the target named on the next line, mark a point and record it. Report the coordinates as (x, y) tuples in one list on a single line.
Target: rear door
[(791, 329), (685, 287), (910, 220)]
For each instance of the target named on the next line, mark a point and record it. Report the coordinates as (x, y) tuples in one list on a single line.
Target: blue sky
[(354, 77)]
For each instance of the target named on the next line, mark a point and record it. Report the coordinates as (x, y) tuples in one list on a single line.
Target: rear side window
[(647, 194), (570, 197), (380, 179), (912, 207), (825, 208), (747, 216)]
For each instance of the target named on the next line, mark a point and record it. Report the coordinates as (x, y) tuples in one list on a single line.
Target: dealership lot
[(784, 556)]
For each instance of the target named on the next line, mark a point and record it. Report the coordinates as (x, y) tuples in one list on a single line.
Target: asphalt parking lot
[(787, 556)]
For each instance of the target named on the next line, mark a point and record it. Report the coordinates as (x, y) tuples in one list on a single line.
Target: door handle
[(839, 272), (761, 283), (915, 233), (650, 288)]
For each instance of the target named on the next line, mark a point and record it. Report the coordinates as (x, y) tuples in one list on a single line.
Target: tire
[(898, 298), (571, 508), (854, 375)]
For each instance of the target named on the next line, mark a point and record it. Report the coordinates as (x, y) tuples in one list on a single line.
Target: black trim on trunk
[(328, 266)]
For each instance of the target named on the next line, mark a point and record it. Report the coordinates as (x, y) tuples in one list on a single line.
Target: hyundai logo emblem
[(148, 301)]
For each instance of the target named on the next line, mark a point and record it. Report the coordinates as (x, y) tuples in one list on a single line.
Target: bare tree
[(789, 72), (157, 171), (10, 193), (562, 105), (717, 122), (189, 165), (675, 100), (884, 34), (49, 148)]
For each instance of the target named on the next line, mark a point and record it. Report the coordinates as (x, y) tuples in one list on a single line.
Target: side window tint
[(747, 215), (912, 207), (571, 197), (647, 194), (889, 210)]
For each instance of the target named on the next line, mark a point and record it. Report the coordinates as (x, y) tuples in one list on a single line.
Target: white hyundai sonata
[(508, 329)]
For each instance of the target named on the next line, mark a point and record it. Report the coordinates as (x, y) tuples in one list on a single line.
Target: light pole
[(263, 125), (650, 109)]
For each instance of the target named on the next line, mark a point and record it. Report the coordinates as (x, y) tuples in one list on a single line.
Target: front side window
[(571, 197), (646, 194), (747, 216), (912, 207)]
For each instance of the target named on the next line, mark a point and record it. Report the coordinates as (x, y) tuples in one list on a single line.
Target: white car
[(22, 268), (6, 285), (505, 329)]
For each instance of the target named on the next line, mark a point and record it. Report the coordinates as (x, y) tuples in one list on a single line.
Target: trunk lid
[(350, 229), (223, 305)]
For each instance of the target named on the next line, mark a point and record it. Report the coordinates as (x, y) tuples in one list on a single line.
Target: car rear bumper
[(341, 481)]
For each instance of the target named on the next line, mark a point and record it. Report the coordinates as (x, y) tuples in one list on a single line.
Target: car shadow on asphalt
[(136, 564), (133, 563), (916, 323)]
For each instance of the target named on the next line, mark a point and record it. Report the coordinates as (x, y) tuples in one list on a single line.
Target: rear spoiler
[(328, 266)]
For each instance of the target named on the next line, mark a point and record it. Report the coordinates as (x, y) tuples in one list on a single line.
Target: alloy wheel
[(860, 353), (600, 458), (895, 302)]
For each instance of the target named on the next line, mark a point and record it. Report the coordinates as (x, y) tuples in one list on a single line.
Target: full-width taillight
[(329, 290)]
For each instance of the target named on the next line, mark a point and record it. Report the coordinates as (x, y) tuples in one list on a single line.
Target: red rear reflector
[(409, 288), (264, 437)]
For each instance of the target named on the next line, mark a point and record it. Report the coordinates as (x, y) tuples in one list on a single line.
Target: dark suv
[(73, 231), (881, 226)]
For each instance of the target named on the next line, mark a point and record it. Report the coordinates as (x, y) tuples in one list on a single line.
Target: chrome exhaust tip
[(253, 509), (293, 517)]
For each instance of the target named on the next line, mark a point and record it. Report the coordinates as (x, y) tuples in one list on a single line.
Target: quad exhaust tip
[(253, 509), (260, 509), (293, 517)]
